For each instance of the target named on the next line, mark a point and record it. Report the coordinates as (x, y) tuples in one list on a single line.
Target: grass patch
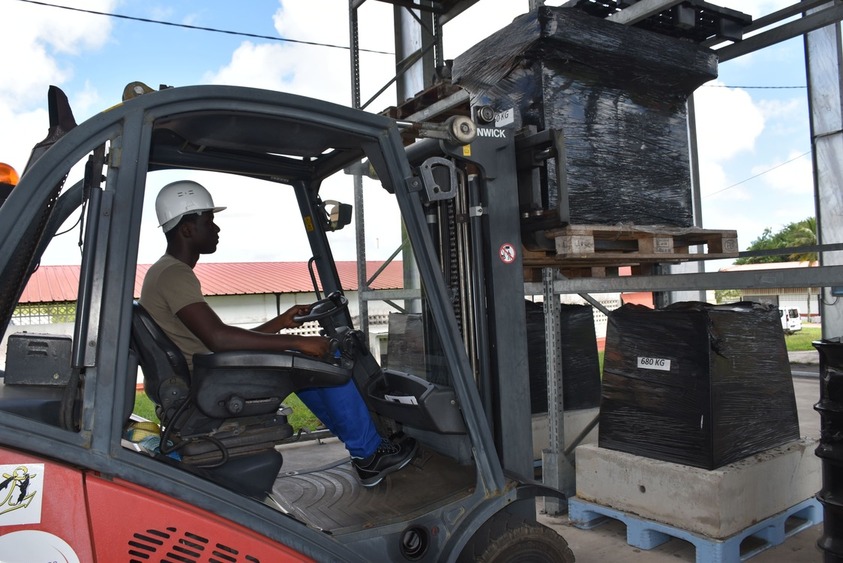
[(801, 340), (301, 417), (144, 407)]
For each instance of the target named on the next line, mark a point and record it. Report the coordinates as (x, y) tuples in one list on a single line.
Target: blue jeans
[(343, 411)]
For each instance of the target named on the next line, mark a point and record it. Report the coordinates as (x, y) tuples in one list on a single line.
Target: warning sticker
[(507, 253), (21, 493)]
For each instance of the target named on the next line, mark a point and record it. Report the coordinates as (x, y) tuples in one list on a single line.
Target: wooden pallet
[(613, 242), (599, 250)]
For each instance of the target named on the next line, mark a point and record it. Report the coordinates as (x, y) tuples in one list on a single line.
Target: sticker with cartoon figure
[(21, 493), (35, 546)]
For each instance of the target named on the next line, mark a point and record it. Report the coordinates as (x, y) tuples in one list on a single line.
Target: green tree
[(804, 234), (793, 235), (727, 295)]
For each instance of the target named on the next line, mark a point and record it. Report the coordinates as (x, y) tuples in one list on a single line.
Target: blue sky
[(750, 138)]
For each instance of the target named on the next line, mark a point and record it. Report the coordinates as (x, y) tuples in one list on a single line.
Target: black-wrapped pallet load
[(616, 95), (696, 384), (580, 363)]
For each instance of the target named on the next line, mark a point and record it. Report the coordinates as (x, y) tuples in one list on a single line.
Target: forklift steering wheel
[(323, 308)]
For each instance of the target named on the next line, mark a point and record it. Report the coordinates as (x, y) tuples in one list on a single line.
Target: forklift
[(78, 486)]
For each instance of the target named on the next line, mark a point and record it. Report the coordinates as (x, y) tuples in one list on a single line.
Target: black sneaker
[(388, 458)]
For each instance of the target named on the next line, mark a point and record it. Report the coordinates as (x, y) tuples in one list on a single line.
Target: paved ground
[(804, 358)]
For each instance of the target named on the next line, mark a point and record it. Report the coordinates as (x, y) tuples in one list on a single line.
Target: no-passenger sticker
[(507, 253)]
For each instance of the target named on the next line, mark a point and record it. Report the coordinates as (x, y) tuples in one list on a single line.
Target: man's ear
[(185, 229)]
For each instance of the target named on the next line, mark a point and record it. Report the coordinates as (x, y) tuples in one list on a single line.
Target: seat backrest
[(243, 459), (165, 371)]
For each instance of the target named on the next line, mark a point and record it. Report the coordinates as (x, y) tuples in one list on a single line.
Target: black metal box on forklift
[(697, 384), (37, 359)]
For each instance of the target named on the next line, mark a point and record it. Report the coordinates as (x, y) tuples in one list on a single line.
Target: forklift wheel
[(506, 538)]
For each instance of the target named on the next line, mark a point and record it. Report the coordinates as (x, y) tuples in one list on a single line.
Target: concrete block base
[(717, 503)]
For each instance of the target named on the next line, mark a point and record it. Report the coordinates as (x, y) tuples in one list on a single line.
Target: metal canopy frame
[(767, 31)]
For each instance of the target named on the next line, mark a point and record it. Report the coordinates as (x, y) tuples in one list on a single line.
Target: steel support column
[(823, 57), (359, 224), (557, 468)]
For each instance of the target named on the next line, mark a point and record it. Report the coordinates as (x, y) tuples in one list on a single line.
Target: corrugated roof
[(60, 283)]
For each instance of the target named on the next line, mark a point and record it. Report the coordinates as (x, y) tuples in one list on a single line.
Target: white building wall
[(806, 300), (249, 311)]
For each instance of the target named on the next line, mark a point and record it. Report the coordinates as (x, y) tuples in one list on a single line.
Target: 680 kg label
[(661, 364)]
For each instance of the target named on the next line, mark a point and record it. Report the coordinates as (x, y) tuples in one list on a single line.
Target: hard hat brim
[(168, 225)]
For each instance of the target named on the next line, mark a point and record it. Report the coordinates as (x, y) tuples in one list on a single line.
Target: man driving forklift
[(173, 296)]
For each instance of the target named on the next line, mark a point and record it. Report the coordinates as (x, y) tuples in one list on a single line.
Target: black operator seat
[(224, 419)]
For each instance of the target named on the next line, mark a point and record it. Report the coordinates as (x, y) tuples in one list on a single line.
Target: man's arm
[(284, 320), (202, 321)]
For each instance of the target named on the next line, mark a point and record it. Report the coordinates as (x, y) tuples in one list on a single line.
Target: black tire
[(506, 538)]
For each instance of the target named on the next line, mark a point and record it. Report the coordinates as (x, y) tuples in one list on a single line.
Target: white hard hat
[(177, 199)]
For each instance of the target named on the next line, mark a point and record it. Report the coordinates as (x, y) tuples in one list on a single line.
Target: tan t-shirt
[(170, 285)]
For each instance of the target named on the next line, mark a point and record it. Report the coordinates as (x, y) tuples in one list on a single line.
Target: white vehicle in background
[(791, 320)]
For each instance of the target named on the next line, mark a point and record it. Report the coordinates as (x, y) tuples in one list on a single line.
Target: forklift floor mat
[(331, 498)]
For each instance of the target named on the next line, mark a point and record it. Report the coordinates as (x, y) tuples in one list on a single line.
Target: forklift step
[(648, 534)]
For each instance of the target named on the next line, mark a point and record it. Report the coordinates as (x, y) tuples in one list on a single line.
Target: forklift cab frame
[(292, 142)]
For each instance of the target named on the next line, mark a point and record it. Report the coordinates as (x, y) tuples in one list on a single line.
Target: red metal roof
[(60, 283)]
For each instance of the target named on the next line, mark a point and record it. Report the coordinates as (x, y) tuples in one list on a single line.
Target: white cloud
[(792, 175), (312, 70), (32, 72), (478, 22), (34, 37), (288, 69), (87, 101), (21, 130), (784, 109), (260, 66), (728, 121), (73, 32)]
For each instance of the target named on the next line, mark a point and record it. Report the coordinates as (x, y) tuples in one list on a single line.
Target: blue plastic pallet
[(647, 534)]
